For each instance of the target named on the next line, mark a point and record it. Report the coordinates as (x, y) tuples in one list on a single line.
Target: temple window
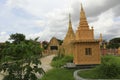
[(88, 51)]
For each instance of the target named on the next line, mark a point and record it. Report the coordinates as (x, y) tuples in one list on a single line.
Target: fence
[(109, 51)]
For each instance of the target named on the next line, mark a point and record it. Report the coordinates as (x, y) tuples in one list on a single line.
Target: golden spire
[(70, 23), (82, 7), (70, 33), (69, 18), (100, 37), (70, 29), (83, 24)]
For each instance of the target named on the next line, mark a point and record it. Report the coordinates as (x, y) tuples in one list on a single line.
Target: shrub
[(109, 68), (60, 61), (21, 59), (59, 56)]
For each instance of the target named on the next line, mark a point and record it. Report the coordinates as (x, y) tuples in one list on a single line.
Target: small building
[(53, 46), (83, 46), (86, 48)]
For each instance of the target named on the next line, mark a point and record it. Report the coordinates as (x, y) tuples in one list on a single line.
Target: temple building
[(67, 45), (85, 49), (53, 46)]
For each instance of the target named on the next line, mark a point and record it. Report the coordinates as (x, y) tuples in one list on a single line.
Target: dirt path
[(46, 62), (1, 76)]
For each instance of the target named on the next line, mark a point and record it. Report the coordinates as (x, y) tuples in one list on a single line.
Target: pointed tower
[(70, 33), (84, 32), (86, 48), (67, 45), (100, 37), (83, 24)]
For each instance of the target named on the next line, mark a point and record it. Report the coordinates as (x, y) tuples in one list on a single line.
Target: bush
[(58, 57), (60, 61), (21, 59), (109, 68)]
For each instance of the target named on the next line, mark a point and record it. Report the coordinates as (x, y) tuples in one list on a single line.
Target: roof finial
[(101, 37), (69, 17), (81, 7)]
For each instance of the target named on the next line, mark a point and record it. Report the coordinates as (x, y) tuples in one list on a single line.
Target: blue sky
[(48, 18)]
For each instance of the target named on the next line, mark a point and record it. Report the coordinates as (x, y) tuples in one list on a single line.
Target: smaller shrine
[(53, 46)]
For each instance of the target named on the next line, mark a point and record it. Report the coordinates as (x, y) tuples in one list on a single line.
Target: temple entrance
[(53, 47)]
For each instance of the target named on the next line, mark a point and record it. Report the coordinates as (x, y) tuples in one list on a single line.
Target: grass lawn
[(88, 74), (91, 74), (108, 69), (59, 74)]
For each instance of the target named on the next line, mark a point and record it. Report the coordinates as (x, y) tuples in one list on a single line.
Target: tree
[(60, 41), (103, 44), (17, 38), (45, 44), (21, 60), (114, 43)]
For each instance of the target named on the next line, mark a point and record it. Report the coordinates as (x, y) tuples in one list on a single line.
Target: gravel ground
[(46, 62), (1, 77)]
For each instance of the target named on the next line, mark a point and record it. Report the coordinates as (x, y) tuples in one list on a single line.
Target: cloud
[(45, 18), (100, 14), (95, 8), (3, 36), (117, 11)]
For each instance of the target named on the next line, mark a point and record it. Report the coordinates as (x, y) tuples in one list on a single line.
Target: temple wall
[(81, 59), (69, 49), (119, 51)]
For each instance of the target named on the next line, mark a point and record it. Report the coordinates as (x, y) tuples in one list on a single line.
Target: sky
[(49, 18)]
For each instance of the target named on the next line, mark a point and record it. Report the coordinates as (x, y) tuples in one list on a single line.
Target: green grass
[(92, 74), (108, 69), (58, 74), (88, 74)]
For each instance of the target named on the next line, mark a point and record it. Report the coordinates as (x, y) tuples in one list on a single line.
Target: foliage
[(45, 44), (104, 42), (60, 41), (59, 74), (57, 57), (2, 46), (61, 60), (21, 61), (17, 38), (108, 69), (114, 43)]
